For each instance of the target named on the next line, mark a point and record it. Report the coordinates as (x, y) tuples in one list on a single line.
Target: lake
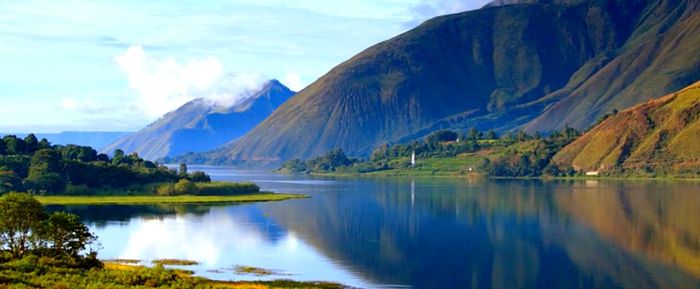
[(426, 232)]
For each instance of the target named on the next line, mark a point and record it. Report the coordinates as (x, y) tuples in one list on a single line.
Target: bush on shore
[(185, 187)]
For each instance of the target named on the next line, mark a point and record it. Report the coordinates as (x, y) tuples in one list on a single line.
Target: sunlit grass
[(145, 200), (249, 270), (176, 262)]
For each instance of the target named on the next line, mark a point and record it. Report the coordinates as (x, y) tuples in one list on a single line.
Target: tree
[(473, 134), (9, 181), (66, 234), (81, 153), (13, 145), (330, 161), (44, 172), (46, 182), (31, 143), (183, 170), (521, 135), (21, 217), (102, 158), (491, 135), (295, 165), (3, 148), (44, 144), (441, 136), (119, 157), (46, 160), (200, 177)]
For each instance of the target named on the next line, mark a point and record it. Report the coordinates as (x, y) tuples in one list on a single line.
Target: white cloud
[(233, 88), (293, 81), (163, 85), (431, 8)]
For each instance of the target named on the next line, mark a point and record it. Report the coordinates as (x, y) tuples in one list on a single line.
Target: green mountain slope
[(535, 65), (661, 135)]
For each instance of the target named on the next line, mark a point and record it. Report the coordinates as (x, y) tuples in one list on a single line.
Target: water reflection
[(220, 239), (658, 220), (502, 234), (100, 216), (431, 233)]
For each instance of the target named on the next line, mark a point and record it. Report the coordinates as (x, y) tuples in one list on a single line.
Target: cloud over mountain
[(164, 84)]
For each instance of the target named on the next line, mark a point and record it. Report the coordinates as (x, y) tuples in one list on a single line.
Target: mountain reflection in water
[(430, 233)]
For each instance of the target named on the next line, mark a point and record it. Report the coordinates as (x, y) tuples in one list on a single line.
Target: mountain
[(661, 135), (95, 139), (537, 66), (202, 125), (496, 3)]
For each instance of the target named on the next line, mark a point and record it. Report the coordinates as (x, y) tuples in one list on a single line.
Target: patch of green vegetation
[(45, 251), (123, 261), (175, 262), (283, 284), (249, 270), (27, 164), (460, 165), (446, 153), (145, 200), (45, 272), (186, 187)]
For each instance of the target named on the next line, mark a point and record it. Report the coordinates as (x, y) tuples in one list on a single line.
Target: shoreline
[(186, 274), (153, 200), (479, 176)]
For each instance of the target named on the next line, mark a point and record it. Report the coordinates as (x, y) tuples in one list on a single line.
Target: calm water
[(428, 233)]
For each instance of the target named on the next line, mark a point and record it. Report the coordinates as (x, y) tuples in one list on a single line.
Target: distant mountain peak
[(201, 124)]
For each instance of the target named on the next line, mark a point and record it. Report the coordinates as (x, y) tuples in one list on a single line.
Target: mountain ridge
[(536, 66), (202, 125)]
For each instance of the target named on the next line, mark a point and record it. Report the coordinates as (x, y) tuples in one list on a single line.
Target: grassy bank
[(184, 279), (42, 272), (148, 200)]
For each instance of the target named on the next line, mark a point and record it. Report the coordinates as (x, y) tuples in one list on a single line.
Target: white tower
[(413, 158)]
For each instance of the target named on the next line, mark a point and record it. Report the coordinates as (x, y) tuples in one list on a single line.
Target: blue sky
[(119, 65)]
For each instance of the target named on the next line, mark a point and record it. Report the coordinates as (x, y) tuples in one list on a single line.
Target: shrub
[(185, 187), (226, 189), (77, 190), (165, 190)]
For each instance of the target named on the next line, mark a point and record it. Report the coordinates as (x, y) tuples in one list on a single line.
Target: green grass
[(44, 272), (124, 261), (437, 166), (249, 270), (146, 200), (175, 262)]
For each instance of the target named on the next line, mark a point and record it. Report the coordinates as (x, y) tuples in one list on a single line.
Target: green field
[(146, 200), (448, 166)]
